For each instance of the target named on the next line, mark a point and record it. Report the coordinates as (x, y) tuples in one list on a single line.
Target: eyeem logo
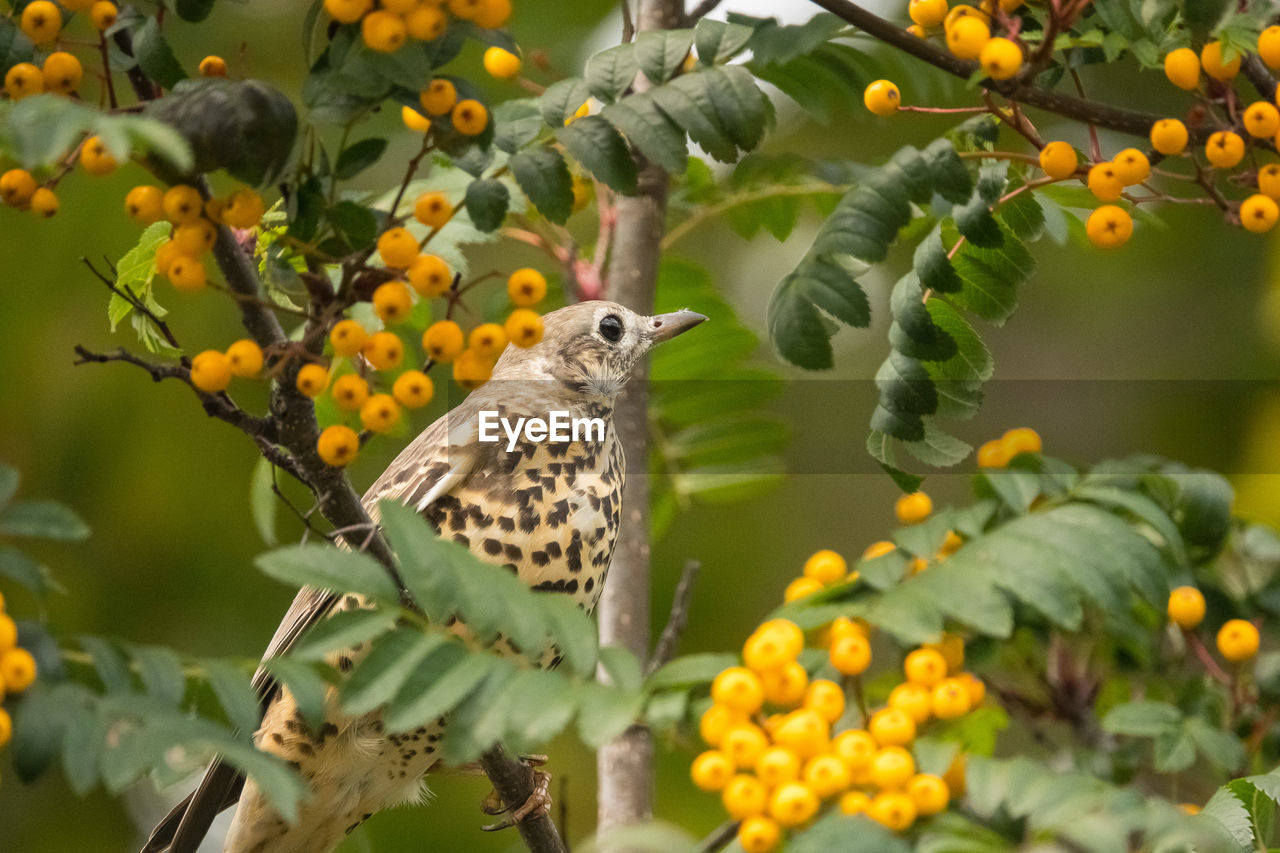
[(558, 426)]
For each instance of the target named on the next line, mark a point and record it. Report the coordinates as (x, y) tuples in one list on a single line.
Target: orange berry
[(470, 117), (800, 588), (347, 11), (501, 63), (744, 744), (397, 247), (413, 389), (439, 97), (925, 667), (993, 454), (1268, 180), (488, 339), (211, 371), (338, 445), (711, 770), (17, 670), (415, 120), (384, 350), (1104, 182), (443, 341), (854, 803), (1224, 149), (738, 688), (1169, 136), (426, 23), (892, 810), (8, 633), (523, 327), (429, 275), (927, 13), (1261, 118), (245, 358), (41, 21), (1211, 59), (776, 765), (145, 204), (392, 302), (62, 73), (717, 720), (312, 379), (471, 369), (433, 209), (491, 14), (804, 731), (950, 699), (1238, 640), (772, 646), (967, 36), (915, 699), (825, 697), (6, 727), (17, 186), (213, 66), (850, 655), (892, 727), (103, 14), (1182, 67), (744, 796), (350, 392), (1258, 213), (44, 203), (826, 775), (244, 209), (186, 273), (383, 31), (195, 237), (785, 685), (1058, 160), (1001, 58), (380, 413), (182, 204), (348, 337), (891, 767), (95, 157), (882, 98), (928, 792), (1132, 166), (1186, 607), (855, 748), (1109, 227), (23, 80), (913, 508), (793, 803), (826, 567), (526, 287), (759, 834)]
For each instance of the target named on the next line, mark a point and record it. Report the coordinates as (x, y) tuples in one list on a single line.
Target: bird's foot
[(538, 804)]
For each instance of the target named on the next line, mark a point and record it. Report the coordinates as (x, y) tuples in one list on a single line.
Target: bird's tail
[(186, 825)]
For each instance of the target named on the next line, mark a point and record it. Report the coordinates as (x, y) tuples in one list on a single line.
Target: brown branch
[(514, 782), (697, 13), (678, 618), (1257, 74), (135, 303), (720, 837)]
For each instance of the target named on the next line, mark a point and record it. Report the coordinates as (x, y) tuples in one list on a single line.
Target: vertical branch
[(625, 766)]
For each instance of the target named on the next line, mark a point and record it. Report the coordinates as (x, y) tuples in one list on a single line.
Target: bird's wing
[(438, 461)]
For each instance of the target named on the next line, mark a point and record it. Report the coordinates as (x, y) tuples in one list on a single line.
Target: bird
[(548, 511)]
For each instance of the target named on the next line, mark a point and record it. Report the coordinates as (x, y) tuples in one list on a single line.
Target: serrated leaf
[(436, 687), (381, 674), (690, 670), (991, 276), (342, 631), (235, 694), (108, 663), (487, 201), (308, 689), (544, 176), (1225, 807), (718, 41), (621, 667), (975, 222), (938, 449), (161, 673), (650, 131), (19, 567), (609, 73), (688, 103), (598, 146), (1023, 215), (572, 631), (359, 156), (326, 567), (562, 99), (797, 327), (933, 267), (516, 124), (155, 57), (660, 53)]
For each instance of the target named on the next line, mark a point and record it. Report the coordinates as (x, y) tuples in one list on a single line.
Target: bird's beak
[(666, 326)]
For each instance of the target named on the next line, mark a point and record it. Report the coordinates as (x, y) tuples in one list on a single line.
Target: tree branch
[(669, 639)]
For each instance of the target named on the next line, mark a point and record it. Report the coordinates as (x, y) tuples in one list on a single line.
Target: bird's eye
[(611, 329)]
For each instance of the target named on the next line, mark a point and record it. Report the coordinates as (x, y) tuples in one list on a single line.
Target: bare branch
[(669, 639), (697, 13), (720, 837)]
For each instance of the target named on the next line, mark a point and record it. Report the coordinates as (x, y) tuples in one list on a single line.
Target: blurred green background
[(1170, 345)]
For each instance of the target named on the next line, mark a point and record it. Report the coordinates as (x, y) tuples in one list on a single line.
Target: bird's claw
[(538, 804)]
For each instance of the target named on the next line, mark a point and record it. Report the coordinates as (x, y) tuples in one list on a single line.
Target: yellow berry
[(211, 371), (213, 66), (23, 80), (1182, 67), (759, 834), (963, 10), (413, 389), (801, 587), (182, 204), (501, 63), (244, 209), (850, 655), (1189, 808), (716, 721), (776, 765), (17, 186), (443, 341), (1258, 213), (1104, 182), (785, 685), (951, 699), (1058, 160), (44, 203), (17, 670), (1237, 640), (6, 727), (523, 327), (826, 567), (471, 369), (1169, 136), (1268, 180), (1269, 46), (312, 379), (825, 697), (392, 302), (843, 626), (975, 686), (854, 803), (826, 775), (429, 275), (145, 204), (1133, 167), (1186, 607), (738, 688), (195, 237), (470, 117), (433, 209), (925, 667), (465, 9), (913, 508), (397, 247), (245, 358), (348, 337), (426, 23), (383, 31), (918, 31), (711, 770), (967, 37), (103, 14), (928, 792), (415, 120), (793, 803), (439, 97), (384, 350), (166, 254), (1261, 119), (492, 14), (765, 651), (1109, 227), (1211, 59), (1001, 58), (855, 748), (992, 454), (744, 796), (41, 21), (187, 273), (8, 633), (95, 157), (891, 767), (526, 287), (62, 73), (892, 727), (347, 11), (488, 339), (380, 413), (338, 445), (744, 743), (915, 699), (350, 392), (892, 810), (927, 13), (882, 98)]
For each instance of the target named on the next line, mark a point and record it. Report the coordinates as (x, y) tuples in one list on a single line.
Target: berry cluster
[(783, 740), (1237, 639), (17, 669), (387, 25)]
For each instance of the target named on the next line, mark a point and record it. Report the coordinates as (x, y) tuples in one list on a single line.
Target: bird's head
[(592, 347)]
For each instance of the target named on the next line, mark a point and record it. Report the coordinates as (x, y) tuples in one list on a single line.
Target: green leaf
[(354, 224), (1173, 752), (687, 102), (235, 695), (326, 567), (649, 130), (906, 394), (975, 222), (487, 201), (1015, 487), (690, 670), (933, 267), (660, 53), (155, 57), (262, 501), (572, 631), (990, 277), (41, 721), (161, 673), (108, 663), (194, 11), (609, 73), (436, 687), (938, 449), (718, 41), (622, 667), (1225, 807), (741, 106), (544, 176), (15, 47), (598, 146), (42, 519), (22, 569), (355, 158), (796, 311), (1142, 719), (880, 446), (1204, 507), (848, 835), (772, 44), (1222, 749), (562, 99), (550, 694), (341, 632), (1023, 215), (380, 675), (1143, 508), (605, 712), (516, 124), (307, 688)]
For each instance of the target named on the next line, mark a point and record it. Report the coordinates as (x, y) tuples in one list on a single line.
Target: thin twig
[(134, 302), (678, 619), (628, 23), (720, 837), (697, 13)]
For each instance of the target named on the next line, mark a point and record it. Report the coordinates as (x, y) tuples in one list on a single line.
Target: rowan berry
[(1238, 640), (182, 204), (1186, 607), (348, 337), (744, 743), (433, 209), (1058, 160), (1104, 182), (41, 21), (214, 208), (429, 275), (1109, 227), (8, 633), (488, 339), (17, 186), (744, 796), (850, 655), (347, 11), (17, 670), (826, 775), (465, 9), (1258, 213), (804, 731), (770, 648), (891, 767), (967, 37), (950, 545), (213, 66), (882, 97), (245, 358), (892, 810), (1261, 119), (443, 341), (950, 699), (492, 14), (415, 120), (854, 803), (964, 10), (1268, 180), (1212, 61), (825, 697), (892, 727), (1169, 136), (1001, 58), (426, 23), (759, 834), (793, 803), (1269, 46), (717, 720), (913, 508), (976, 688), (928, 792), (95, 157), (777, 765), (951, 646), (439, 97), (927, 13), (501, 63), (855, 748), (526, 287), (843, 626), (470, 117), (62, 73), (22, 80), (1132, 166), (166, 254), (738, 688), (103, 14), (338, 445), (384, 350), (350, 392), (186, 273), (145, 204), (523, 327), (413, 389), (800, 588), (392, 302), (915, 699), (400, 7), (211, 371), (785, 685), (397, 247), (711, 770), (244, 209), (6, 727), (383, 31), (195, 237), (312, 379), (918, 31), (380, 413), (993, 454)]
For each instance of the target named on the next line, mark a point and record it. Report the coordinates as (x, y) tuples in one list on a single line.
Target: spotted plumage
[(546, 510)]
